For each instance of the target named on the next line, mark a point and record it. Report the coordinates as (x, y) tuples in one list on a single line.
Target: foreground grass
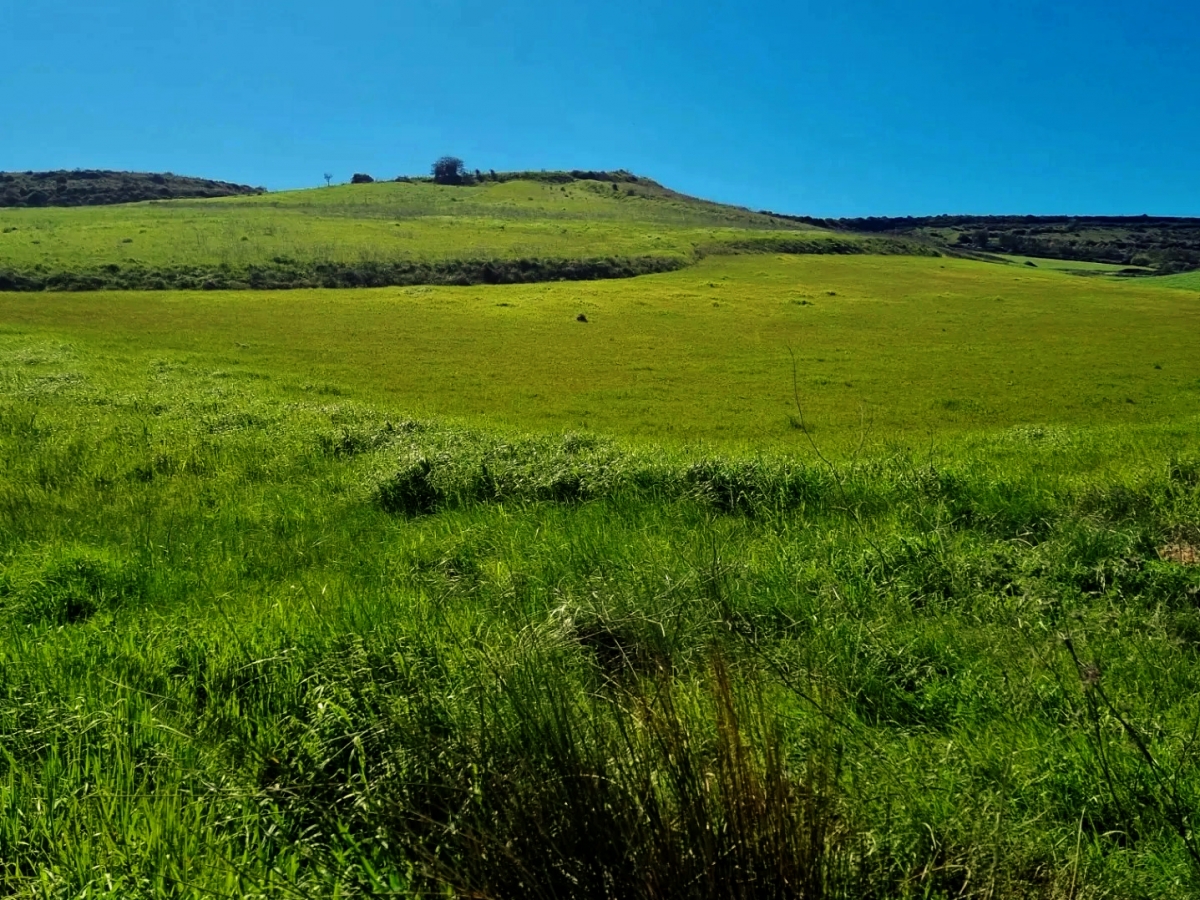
[(260, 640), (898, 346)]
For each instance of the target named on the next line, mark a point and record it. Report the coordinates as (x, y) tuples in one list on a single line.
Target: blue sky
[(838, 107)]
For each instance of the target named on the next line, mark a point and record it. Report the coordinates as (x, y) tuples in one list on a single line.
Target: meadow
[(900, 346), (779, 576)]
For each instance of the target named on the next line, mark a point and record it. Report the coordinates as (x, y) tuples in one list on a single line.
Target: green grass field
[(439, 591), (908, 345)]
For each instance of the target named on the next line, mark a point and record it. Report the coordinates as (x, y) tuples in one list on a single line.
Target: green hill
[(533, 227)]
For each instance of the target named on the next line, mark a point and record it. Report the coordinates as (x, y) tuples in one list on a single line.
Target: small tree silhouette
[(328, 178), (449, 170)]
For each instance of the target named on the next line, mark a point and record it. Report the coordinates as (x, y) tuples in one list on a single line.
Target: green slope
[(391, 233), (1185, 281)]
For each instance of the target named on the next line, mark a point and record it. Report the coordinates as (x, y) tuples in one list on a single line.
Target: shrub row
[(421, 469), (620, 176), (283, 274), (799, 244)]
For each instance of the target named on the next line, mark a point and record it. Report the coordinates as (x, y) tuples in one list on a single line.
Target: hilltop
[(98, 187)]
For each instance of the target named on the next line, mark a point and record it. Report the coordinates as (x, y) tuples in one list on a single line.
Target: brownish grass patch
[(1182, 553)]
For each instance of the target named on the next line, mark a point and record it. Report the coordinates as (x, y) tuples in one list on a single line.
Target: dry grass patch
[(1180, 552)]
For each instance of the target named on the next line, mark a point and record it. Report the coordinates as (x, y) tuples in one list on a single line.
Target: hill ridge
[(108, 187)]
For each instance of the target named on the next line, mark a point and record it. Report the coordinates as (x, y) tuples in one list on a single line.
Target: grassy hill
[(779, 574), (98, 187), (394, 233)]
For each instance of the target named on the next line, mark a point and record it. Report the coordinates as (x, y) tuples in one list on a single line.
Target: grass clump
[(409, 490), (68, 585), (651, 794)]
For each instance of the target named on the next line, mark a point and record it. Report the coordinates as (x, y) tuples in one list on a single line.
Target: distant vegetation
[(1168, 245), (449, 170), (284, 273), (94, 187)]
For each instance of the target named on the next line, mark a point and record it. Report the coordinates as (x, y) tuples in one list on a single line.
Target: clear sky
[(837, 107)]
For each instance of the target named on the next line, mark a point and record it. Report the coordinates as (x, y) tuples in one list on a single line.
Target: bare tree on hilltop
[(449, 170)]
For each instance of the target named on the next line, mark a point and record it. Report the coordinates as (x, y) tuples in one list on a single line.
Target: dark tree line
[(1165, 244)]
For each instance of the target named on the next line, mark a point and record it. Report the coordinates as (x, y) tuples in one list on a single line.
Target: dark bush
[(361, 178), (449, 170), (410, 491), (72, 586)]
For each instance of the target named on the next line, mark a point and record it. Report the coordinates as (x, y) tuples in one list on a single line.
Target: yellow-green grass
[(387, 221), (897, 346), (1075, 266)]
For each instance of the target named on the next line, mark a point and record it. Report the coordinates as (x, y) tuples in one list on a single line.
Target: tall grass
[(259, 641)]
